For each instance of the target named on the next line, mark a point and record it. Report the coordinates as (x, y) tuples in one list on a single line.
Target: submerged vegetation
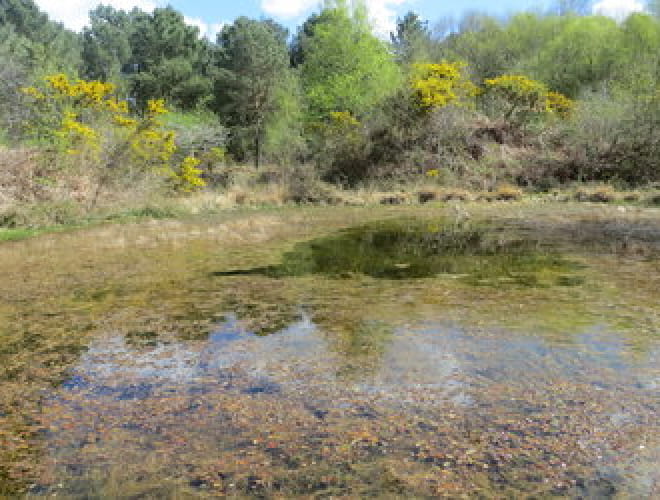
[(326, 376), (412, 249)]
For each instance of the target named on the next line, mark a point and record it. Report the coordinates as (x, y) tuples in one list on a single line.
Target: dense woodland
[(537, 99)]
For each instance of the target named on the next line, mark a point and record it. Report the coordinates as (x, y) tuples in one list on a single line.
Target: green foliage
[(31, 46), (346, 68), (284, 141), (582, 56), (481, 42), (338, 95), (159, 55), (253, 65), (412, 40)]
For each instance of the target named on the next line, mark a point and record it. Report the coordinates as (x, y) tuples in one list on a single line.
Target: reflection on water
[(210, 399), (411, 248)]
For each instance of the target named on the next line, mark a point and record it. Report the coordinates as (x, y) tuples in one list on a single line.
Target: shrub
[(506, 192), (523, 98), (87, 122), (427, 196), (438, 85), (614, 138), (455, 195), (343, 149), (654, 199), (599, 194), (303, 185)]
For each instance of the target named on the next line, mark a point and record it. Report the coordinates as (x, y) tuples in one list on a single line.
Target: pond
[(397, 352)]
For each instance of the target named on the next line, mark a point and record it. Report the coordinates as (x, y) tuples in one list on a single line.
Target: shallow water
[(403, 357)]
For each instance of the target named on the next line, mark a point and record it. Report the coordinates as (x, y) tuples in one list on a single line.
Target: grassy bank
[(25, 220)]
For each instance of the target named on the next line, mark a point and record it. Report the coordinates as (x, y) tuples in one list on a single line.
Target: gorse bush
[(439, 85), (87, 122), (521, 97)]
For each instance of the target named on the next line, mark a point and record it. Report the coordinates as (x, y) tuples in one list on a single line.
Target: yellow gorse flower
[(439, 85), (124, 121), (524, 92), (156, 107), (559, 104), (188, 176), (344, 119), (77, 132), (33, 92)]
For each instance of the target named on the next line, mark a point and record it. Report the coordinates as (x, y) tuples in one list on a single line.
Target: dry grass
[(38, 194), (596, 194), (507, 192), (654, 199), (456, 194)]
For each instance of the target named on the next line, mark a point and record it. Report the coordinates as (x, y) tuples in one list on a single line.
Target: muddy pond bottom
[(448, 410)]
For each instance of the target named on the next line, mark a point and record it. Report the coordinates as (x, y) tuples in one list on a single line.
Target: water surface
[(334, 356)]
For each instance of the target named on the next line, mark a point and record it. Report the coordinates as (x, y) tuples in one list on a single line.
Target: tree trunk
[(257, 149)]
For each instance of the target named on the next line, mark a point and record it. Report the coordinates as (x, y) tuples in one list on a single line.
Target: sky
[(211, 15)]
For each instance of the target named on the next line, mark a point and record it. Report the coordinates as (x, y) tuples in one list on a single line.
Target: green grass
[(18, 234), (181, 119)]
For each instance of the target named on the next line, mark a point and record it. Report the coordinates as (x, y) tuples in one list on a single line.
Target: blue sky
[(209, 15), (384, 12)]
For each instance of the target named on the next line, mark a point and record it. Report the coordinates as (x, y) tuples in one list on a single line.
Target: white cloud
[(618, 9), (74, 14), (205, 29), (381, 12), (383, 15), (287, 9)]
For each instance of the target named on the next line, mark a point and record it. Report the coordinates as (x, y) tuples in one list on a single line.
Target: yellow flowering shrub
[(343, 119), (522, 94), (439, 85), (87, 119), (188, 176), (559, 104)]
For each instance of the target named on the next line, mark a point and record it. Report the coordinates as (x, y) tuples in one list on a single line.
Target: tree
[(172, 61), (253, 63), (106, 43), (46, 46), (345, 67), (156, 56), (412, 40), (479, 42), (582, 56), (30, 47)]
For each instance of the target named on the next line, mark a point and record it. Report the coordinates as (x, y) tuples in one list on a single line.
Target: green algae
[(419, 248)]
